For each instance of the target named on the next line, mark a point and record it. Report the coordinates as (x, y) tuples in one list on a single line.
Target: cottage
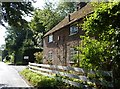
[(59, 42)]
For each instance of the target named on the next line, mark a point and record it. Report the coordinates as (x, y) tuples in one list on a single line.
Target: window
[(50, 38), (58, 38), (73, 52), (73, 30), (50, 55)]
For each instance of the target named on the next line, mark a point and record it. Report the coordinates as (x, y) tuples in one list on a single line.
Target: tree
[(48, 17), (14, 12), (65, 8), (103, 51), (18, 40), (43, 21)]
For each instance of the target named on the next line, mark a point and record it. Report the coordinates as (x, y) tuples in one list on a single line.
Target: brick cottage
[(59, 43)]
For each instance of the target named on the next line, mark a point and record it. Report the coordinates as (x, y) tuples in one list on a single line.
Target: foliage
[(12, 58), (13, 13), (93, 53), (48, 17), (38, 57), (99, 25), (17, 40), (100, 46), (14, 38), (38, 80), (44, 82), (45, 19), (4, 54), (0, 58), (65, 8)]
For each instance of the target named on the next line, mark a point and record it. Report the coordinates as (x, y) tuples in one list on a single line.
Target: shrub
[(35, 80), (38, 80), (44, 82), (12, 58), (47, 82), (38, 57)]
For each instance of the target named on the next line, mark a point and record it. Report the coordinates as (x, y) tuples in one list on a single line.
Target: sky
[(38, 4)]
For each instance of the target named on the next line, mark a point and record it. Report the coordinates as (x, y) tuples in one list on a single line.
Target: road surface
[(9, 76)]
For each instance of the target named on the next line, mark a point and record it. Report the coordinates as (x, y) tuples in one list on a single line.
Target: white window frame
[(73, 52), (50, 55), (50, 38), (73, 30)]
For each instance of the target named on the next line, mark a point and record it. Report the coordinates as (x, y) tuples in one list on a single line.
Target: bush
[(44, 82), (38, 80), (38, 57), (12, 58), (35, 80), (47, 82)]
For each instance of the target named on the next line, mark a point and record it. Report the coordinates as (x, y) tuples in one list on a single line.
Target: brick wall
[(60, 47)]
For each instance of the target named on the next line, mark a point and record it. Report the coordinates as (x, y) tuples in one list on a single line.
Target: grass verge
[(40, 81)]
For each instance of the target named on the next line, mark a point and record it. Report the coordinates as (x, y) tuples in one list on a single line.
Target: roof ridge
[(74, 16)]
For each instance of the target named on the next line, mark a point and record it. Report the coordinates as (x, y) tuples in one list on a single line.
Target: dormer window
[(50, 38), (73, 30)]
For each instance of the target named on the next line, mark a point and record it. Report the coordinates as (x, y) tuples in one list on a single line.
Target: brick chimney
[(81, 5)]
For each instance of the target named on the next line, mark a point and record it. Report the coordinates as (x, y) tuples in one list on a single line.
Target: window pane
[(73, 30), (50, 55), (73, 52), (50, 38)]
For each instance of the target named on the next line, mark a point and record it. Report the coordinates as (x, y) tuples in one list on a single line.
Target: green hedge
[(40, 81), (44, 82)]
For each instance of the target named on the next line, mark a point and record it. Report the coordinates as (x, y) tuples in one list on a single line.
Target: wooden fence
[(74, 76)]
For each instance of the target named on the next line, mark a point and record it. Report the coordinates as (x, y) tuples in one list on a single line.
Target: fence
[(74, 76)]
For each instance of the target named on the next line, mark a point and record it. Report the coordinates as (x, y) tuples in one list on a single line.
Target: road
[(9, 76)]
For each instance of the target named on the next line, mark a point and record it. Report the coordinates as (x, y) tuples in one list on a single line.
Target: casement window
[(73, 30), (50, 55), (50, 38), (73, 53)]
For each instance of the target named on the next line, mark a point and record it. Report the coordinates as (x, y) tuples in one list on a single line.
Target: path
[(9, 76)]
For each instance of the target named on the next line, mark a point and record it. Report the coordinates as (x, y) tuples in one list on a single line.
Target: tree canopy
[(18, 34), (14, 12), (48, 17), (65, 8)]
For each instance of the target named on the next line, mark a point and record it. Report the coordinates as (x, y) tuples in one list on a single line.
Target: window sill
[(50, 42), (72, 34)]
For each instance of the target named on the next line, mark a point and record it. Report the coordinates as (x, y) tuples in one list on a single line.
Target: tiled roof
[(73, 17)]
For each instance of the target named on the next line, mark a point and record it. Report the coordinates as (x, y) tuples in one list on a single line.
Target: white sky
[(38, 4)]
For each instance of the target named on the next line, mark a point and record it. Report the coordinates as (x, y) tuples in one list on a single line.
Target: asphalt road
[(9, 76)]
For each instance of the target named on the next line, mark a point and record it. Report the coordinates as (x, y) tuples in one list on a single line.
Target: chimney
[(81, 5)]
